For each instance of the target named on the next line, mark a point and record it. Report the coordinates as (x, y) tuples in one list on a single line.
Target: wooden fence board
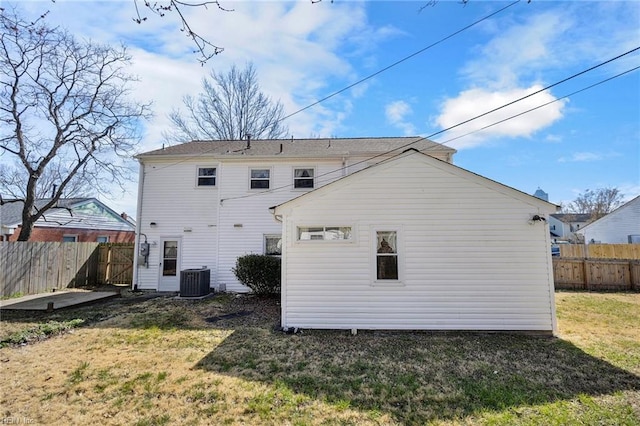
[(600, 251)]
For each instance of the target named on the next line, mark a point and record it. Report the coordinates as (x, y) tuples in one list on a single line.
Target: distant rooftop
[(299, 148), (572, 217)]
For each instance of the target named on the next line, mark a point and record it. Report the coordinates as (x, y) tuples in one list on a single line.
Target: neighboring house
[(564, 226), (71, 220), (416, 243), (206, 203), (618, 227)]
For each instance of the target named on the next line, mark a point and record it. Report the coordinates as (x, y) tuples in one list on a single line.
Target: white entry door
[(169, 264)]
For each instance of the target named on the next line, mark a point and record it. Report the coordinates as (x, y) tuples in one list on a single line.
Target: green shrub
[(259, 272)]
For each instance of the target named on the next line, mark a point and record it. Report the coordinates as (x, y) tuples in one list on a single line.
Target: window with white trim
[(259, 178), (324, 233), (69, 238), (303, 178), (273, 245), (387, 255), (206, 176), (102, 239)]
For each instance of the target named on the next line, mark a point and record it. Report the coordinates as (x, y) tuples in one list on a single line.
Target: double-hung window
[(303, 178), (387, 255), (206, 176), (260, 178)]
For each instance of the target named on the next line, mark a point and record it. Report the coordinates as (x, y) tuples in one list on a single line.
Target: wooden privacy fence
[(597, 267), (596, 274), (36, 267)]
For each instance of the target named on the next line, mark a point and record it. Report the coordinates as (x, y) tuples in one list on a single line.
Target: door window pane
[(170, 258)]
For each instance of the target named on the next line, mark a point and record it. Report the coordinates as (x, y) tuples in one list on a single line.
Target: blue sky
[(303, 52)]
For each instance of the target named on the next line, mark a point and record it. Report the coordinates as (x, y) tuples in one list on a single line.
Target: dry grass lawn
[(154, 361)]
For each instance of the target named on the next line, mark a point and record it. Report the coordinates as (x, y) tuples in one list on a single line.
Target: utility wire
[(459, 124), (406, 58)]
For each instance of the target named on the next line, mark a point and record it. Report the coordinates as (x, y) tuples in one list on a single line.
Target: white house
[(564, 226), (417, 243), (621, 226), (205, 203)]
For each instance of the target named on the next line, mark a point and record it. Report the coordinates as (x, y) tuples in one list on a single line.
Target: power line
[(463, 122), (406, 58)]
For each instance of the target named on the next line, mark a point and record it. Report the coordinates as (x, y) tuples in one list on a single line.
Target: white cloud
[(474, 102), (396, 113), (520, 48), (579, 157), (523, 54), (587, 156)]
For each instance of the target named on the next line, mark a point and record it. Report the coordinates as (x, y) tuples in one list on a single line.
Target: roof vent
[(248, 141)]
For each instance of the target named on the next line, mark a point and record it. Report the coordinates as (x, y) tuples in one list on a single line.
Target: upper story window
[(260, 178), (206, 176), (303, 178), (325, 233)]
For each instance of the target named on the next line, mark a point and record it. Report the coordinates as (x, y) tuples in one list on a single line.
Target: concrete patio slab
[(57, 300)]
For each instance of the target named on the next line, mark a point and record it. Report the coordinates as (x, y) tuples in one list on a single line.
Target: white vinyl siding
[(217, 224), (178, 210), (244, 216), (471, 259)]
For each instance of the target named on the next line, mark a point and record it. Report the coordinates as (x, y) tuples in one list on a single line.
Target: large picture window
[(206, 176), (387, 255), (303, 178), (324, 233)]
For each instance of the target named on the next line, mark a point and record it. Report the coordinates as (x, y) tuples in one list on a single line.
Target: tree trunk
[(28, 218)]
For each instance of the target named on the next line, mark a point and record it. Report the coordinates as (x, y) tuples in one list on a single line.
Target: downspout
[(283, 269), (134, 283)]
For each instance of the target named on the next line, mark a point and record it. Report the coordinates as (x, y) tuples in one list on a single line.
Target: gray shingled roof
[(11, 212), (297, 148), (572, 217)]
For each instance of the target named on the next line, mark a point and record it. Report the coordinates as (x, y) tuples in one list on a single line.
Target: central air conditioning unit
[(194, 282)]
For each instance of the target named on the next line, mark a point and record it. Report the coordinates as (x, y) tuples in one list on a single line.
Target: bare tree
[(67, 122), (596, 203), (230, 107)]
